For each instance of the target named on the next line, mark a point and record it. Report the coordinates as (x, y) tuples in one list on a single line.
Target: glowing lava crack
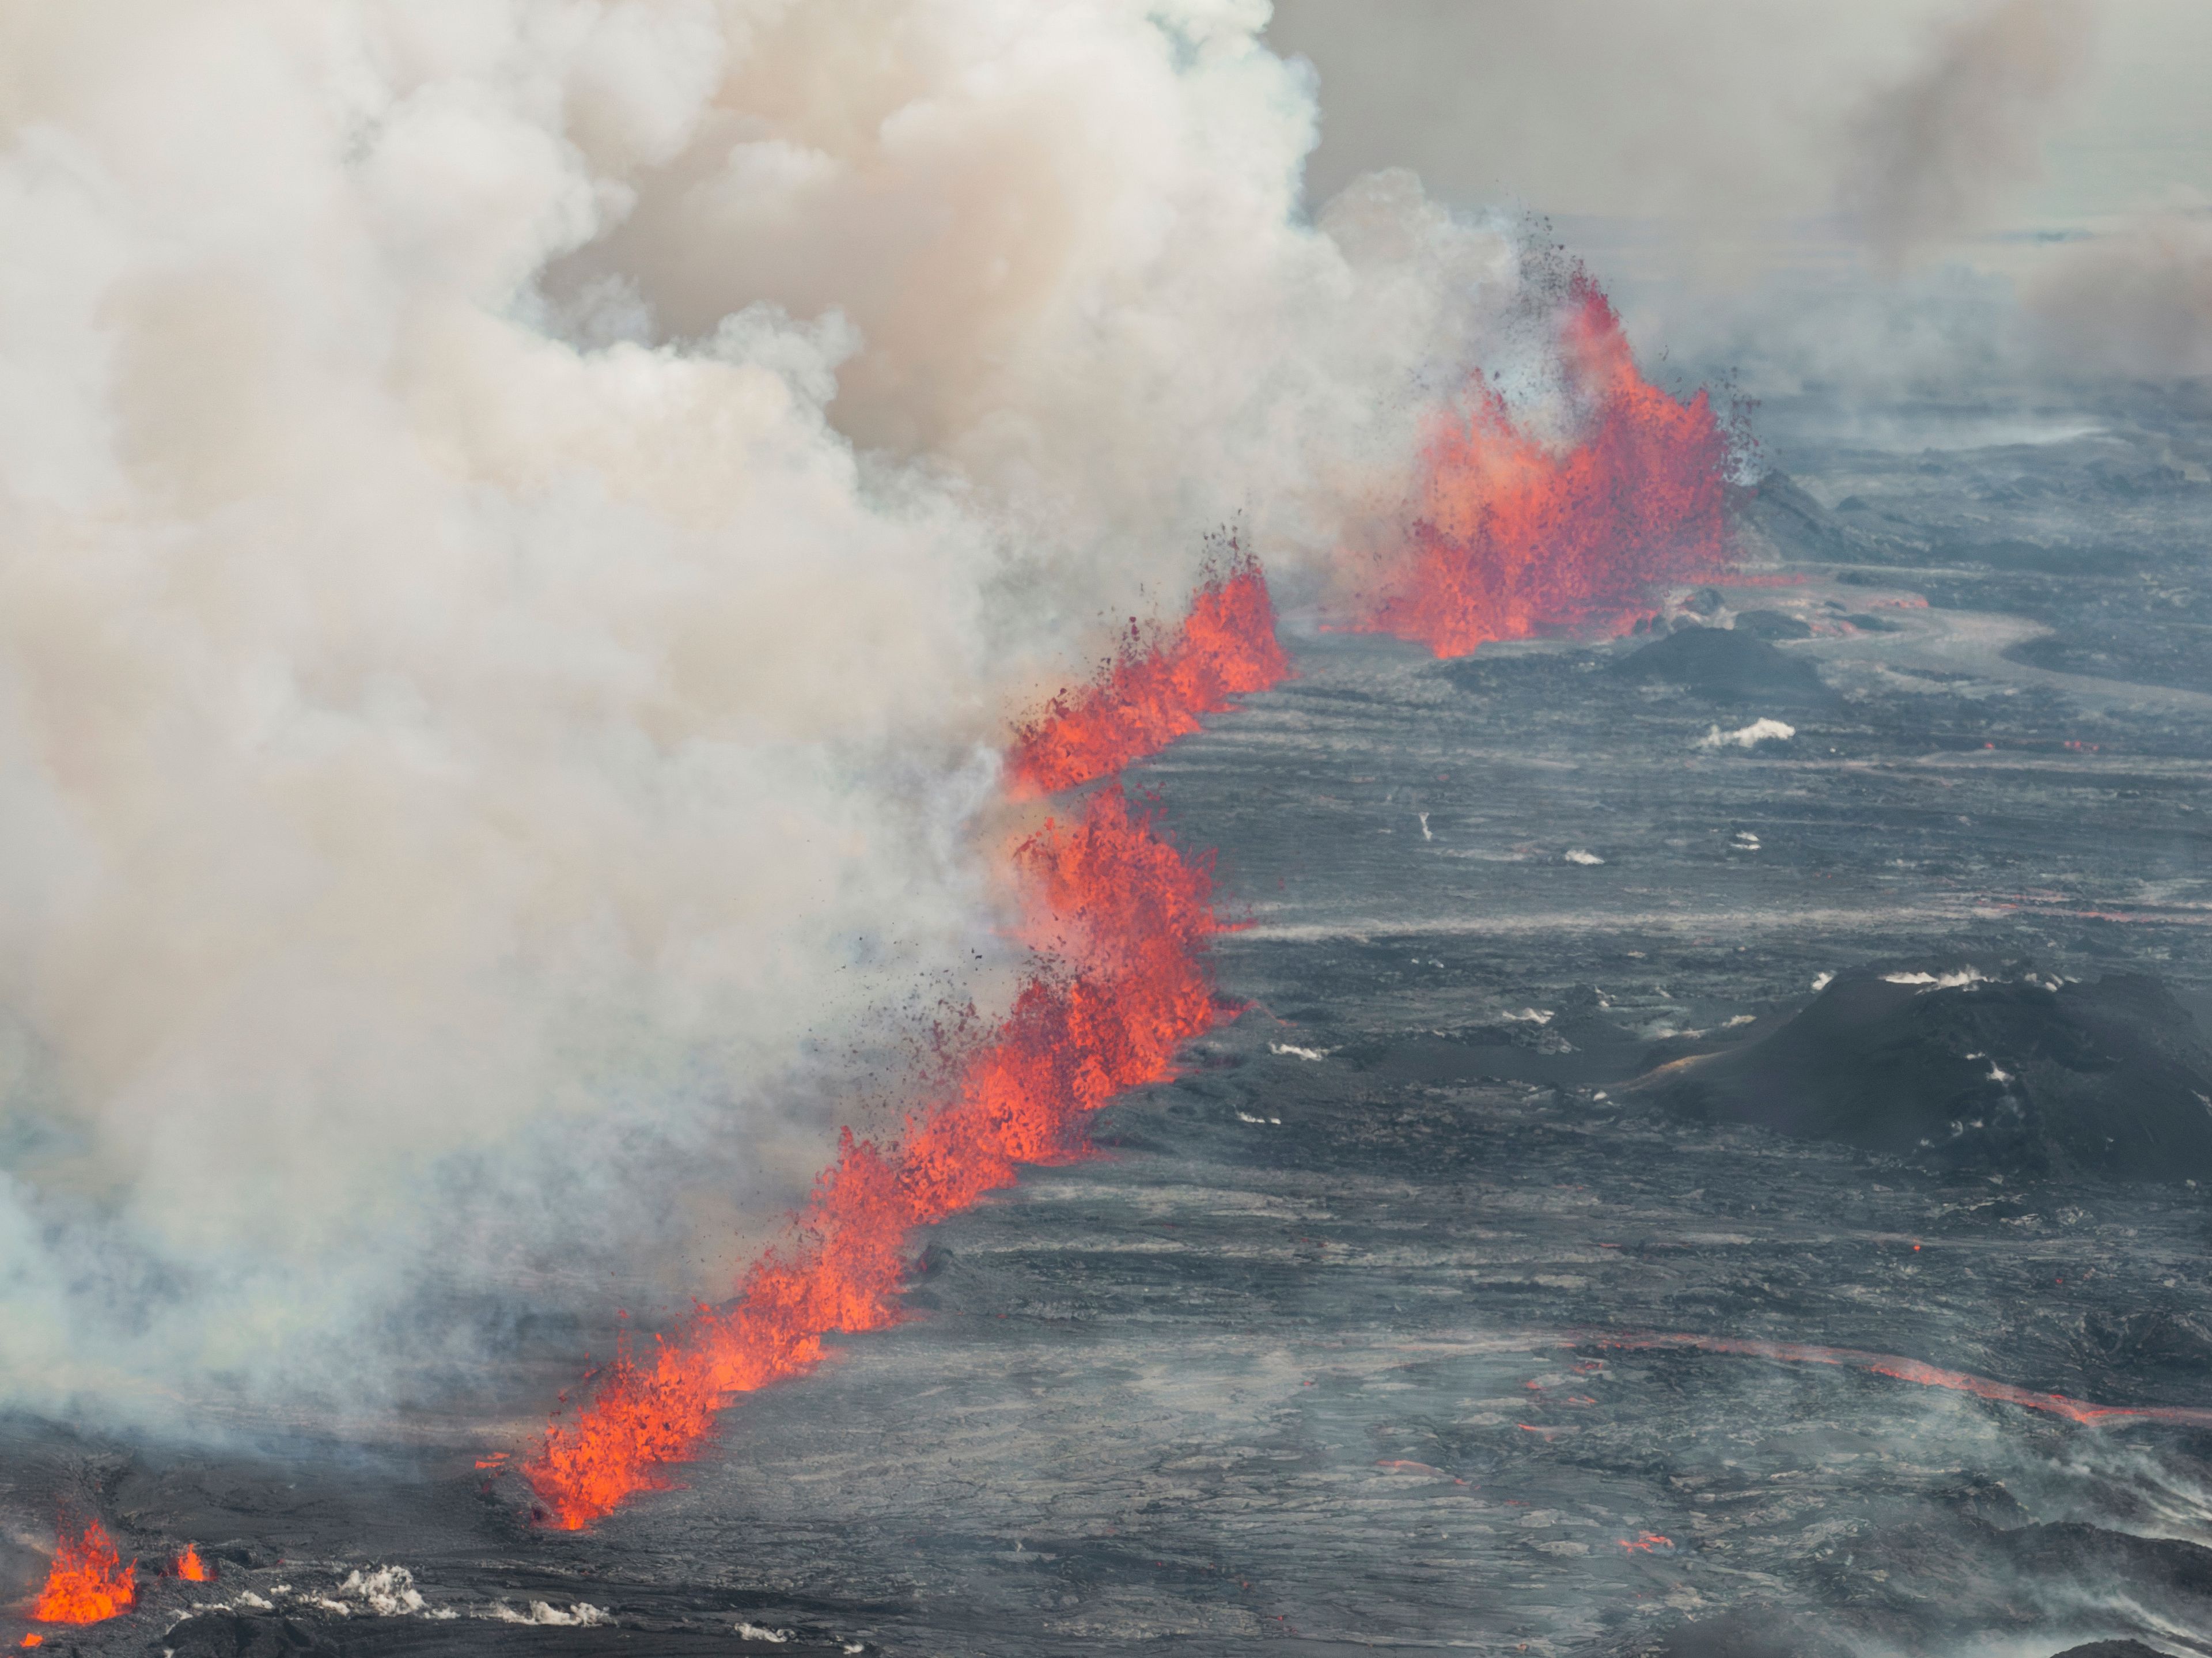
[(1121, 921), (1514, 538)]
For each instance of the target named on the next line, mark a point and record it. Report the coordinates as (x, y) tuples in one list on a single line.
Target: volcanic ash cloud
[(525, 530)]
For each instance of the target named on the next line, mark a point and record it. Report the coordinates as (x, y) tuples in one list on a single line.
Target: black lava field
[(1663, 1062)]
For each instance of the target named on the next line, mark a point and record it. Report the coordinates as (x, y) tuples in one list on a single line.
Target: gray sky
[(1721, 111), (1879, 192)]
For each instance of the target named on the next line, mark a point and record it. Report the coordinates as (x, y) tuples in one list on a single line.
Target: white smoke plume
[(2136, 302), (522, 525), (1938, 151)]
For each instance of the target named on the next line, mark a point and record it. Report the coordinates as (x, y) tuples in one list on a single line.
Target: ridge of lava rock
[(2019, 1074)]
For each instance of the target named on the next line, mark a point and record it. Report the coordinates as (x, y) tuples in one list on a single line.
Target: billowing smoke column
[(526, 532), (1120, 921), (1516, 535), (526, 529)]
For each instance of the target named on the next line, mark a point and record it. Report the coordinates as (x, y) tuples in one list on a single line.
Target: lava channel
[(1912, 1371)]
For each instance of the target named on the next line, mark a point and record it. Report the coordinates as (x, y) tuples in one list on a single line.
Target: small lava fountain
[(89, 1582), (1517, 538)]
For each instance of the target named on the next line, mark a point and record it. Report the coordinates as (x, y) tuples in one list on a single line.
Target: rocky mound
[(2016, 1073), (1725, 664), (1772, 624)]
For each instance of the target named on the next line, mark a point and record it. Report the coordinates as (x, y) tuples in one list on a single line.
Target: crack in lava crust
[(1909, 1369)]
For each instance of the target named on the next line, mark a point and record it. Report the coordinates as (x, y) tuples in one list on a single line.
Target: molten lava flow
[(192, 1568), (89, 1582), (1925, 1375), (1514, 538), (1155, 690), (1123, 921)]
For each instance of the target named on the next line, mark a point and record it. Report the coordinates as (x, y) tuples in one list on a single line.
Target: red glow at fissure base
[(1514, 538), (89, 1582)]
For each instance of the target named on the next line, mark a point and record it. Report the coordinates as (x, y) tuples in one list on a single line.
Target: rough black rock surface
[(229, 1635), (1753, 1632), (1725, 664), (2019, 1074), (1772, 624)]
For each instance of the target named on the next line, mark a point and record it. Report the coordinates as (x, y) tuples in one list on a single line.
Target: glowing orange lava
[(89, 1582), (1515, 538), (1126, 918), (1121, 922), (1925, 1375), (1156, 688), (192, 1569)]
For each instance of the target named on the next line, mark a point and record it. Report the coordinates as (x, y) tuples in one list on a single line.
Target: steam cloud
[(526, 526), (2137, 302), (1939, 150)]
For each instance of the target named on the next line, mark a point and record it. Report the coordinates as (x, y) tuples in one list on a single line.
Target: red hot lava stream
[(1912, 1370), (1121, 921), (1515, 538)]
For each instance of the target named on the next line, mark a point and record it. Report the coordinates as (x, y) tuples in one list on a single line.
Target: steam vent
[(925, 828)]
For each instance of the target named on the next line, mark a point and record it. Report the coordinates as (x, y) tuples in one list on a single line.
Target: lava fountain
[(88, 1583), (1515, 538), (1120, 920), (1156, 686)]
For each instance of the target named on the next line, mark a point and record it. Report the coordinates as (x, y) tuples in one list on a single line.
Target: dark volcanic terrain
[(1343, 1342)]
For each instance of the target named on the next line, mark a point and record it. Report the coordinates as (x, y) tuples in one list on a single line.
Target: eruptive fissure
[(1913, 1370), (1121, 919), (88, 1582), (1515, 538), (1156, 686)]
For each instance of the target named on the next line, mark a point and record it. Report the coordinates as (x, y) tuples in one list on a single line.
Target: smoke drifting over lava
[(528, 529)]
